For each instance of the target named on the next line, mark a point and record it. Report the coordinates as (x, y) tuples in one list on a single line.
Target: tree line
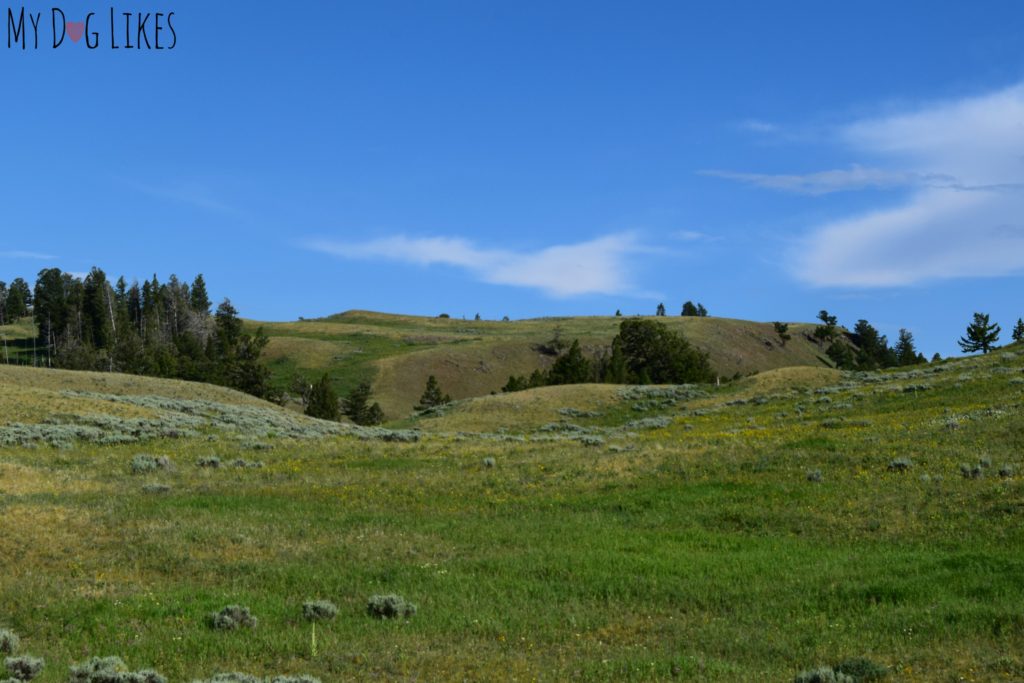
[(643, 352), (160, 329)]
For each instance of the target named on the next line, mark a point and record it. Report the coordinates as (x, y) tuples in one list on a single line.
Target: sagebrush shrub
[(861, 669), (8, 642), (211, 461), (319, 610), (814, 476), (246, 678), (23, 668), (1006, 471), (389, 607), (969, 472), (232, 617), (111, 670), (489, 462), (900, 465), (825, 674), (143, 462), (156, 488)]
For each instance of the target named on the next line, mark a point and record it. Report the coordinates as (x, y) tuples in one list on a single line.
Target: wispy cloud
[(33, 255), (961, 163), (598, 266), (855, 177), (194, 194), (758, 126)]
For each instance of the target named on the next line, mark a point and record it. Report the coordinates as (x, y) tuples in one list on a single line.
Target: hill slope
[(475, 358), (741, 533)]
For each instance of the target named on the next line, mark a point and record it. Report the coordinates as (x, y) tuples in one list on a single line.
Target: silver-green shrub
[(246, 678), (900, 465), (156, 488), (111, 670), (211, 461), (143, 462), (8, 642), (24, 668), (389, 607), (232, 617), (825, 674), (319, 610)]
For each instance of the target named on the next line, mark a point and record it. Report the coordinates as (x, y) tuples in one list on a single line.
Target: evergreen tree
[(690, 309), (618, 313), (199, 300), (827, 330), (905, 352), (873, 350), (356, 406), (842, 355), (432, 395), (782, 329), (701, 311), (655, 354), (661, 310), (323, 401), (981, 336), (571, 367), (515, 383), (1018, 330), (615, 370), (19, 298)]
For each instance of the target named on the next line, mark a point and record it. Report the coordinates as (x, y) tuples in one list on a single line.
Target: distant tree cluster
[(157, 329), (694, 310), (864, 348), (15, 300), (643, 352)]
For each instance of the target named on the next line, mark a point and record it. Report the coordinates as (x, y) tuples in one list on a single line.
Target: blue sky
[(535, 158)]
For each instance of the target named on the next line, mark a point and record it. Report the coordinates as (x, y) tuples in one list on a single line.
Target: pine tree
[(199, 300), (701, 311), (842, 355), (827, 330), (323, 401), (571, 367), (432, 395), (661, 310), (655, 354), (782, 329), (981, 336), (615, 370), (618, 313), (905, 352), (1018, 330), (357, 406), (690, 309)]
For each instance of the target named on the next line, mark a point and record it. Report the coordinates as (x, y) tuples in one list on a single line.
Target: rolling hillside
[(747, 532), (475, 358)]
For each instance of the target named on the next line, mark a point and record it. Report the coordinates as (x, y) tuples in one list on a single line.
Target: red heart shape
[(75, 30)]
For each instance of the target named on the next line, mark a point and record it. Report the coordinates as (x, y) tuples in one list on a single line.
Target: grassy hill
[(741, 533), (475, 358)]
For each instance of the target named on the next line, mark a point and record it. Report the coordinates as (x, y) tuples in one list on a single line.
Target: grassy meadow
[(744, 533)]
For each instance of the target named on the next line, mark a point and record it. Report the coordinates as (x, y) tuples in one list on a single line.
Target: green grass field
[(619, 535)]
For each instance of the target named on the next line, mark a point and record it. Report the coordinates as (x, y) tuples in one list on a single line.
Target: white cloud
[(34, 255), (961, 163), (855, 177), (758, 126), (599, 266), (689, 235)]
